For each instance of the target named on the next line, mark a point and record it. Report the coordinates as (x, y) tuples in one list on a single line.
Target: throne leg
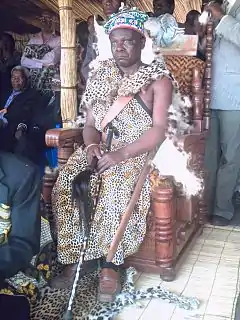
[(163, 207)]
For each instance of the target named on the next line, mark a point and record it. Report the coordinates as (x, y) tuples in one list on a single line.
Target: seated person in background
[(83, 32), (19, 129), (163, 6), (52, 114), (193, 27), (150, 14), (19, 226), (82, 37), (42, 55), (192, 24), (109, 7), (9, 58)]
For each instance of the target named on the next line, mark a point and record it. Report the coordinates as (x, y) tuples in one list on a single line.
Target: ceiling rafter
[(26, 11)]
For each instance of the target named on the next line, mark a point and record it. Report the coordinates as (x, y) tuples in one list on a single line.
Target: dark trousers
[(14, 307), (222, 161)]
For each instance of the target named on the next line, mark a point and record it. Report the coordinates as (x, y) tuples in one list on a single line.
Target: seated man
[(20, 118), (42, 55), (141, 126), (19, 219), (161, 7)]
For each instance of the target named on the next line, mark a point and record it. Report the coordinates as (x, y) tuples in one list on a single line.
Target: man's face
[(46, 22), (110, 6), (161, 7), (17, 80), (126, 47)]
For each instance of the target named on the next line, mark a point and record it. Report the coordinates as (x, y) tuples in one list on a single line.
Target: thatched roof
[(20, 16)]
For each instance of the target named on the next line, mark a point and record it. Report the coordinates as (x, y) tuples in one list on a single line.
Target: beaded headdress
[(126, 18)]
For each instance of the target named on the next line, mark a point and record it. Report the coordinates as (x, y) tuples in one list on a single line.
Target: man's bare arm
[(162, 90)]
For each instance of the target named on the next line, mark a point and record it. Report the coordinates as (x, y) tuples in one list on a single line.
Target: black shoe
[(219, 221)]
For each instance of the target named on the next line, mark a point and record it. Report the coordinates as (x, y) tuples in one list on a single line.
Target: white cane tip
[(68, 315)]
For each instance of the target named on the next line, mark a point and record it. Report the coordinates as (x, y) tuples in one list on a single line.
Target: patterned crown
[(126, 18)]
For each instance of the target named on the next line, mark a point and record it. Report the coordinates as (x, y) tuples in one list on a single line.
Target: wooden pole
[(68, 67)]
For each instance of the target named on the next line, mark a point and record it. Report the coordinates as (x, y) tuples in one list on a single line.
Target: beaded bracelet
[(91, 145)]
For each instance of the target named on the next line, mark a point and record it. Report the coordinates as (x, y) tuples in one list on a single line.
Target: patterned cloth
[(126, 18), (163, 30), (41, 78), (36, 51), (118, 182), (5, 222), (30, 281)]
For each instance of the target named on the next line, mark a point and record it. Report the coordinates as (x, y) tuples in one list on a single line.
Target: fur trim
[(115, 85)]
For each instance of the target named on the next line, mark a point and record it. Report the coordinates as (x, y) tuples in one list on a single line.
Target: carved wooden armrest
[(59, 138), (190, 142), (194, 144)]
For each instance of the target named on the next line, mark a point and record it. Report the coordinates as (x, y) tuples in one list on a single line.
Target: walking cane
[(127, 214), (82, 196)]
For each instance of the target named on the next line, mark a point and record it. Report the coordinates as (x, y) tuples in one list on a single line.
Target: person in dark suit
[(21, 118), (9, 58), (20, 225)]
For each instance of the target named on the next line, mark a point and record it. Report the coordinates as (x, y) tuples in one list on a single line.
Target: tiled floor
[(210, 273)]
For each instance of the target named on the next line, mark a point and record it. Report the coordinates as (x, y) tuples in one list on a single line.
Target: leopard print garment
[(41, 78), (36, 51), (117, 182)]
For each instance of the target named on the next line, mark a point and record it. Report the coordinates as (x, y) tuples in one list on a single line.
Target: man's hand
[(215, 9), (18, 134), (110, 159), (93, 152)]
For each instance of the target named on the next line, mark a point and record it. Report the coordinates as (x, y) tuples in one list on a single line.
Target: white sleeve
[(229, 29)]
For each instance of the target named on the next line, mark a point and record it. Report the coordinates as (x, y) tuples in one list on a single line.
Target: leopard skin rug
[(53, 303)]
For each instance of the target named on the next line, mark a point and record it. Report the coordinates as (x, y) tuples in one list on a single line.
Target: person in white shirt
[(222, 154), (42, 54)]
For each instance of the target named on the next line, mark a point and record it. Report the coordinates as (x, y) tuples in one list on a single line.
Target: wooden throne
[(173, 221)]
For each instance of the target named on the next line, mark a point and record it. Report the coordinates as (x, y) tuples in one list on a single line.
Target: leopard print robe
[(118, 182)]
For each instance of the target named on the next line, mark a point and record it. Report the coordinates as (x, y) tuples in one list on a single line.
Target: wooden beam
[(31, 21), (41, 5), (68, 67)]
